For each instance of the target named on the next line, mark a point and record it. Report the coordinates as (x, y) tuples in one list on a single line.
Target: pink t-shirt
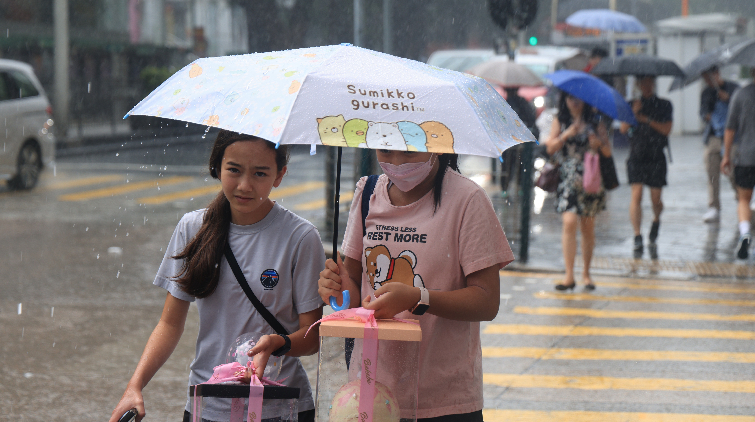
[(411, 244)]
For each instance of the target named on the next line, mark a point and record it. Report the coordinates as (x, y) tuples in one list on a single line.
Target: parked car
[(25, 113), (459, 60)]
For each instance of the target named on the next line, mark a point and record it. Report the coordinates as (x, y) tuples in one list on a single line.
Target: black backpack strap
[(369, 188), (277, 326)]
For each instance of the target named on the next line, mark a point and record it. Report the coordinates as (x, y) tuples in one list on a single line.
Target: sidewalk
[(687, 247)]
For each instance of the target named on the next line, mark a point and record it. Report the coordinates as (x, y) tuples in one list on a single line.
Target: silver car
[(26, 118)]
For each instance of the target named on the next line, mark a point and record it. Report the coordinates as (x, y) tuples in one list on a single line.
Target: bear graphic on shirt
[(382, 268)]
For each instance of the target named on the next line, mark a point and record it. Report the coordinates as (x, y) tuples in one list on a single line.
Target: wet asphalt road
[(75, 317)]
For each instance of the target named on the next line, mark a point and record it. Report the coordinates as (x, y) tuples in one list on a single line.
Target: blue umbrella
[(593, 91), (606, 20)]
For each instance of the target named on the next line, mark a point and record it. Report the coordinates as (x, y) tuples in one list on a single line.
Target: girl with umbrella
[(432, 247), (574, 132)]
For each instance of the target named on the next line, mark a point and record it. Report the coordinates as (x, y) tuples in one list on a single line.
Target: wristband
[(283, 349)]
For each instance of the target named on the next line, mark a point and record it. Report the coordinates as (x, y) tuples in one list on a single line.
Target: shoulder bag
[(608, 172), (549, 177), (269, 317)]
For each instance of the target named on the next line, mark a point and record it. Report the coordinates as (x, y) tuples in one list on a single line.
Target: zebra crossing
[(301, 196), (635, 350)]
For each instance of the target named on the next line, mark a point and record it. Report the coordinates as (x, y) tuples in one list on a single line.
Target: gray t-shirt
[(281, 244), (741, 120)]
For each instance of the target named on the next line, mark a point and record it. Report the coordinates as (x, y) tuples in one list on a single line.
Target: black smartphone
[(129, 416)]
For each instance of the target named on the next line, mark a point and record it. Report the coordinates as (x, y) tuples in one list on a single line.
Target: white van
[(26, 116)]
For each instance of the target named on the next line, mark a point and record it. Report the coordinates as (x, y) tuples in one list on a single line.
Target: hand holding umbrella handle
[(344, 305)]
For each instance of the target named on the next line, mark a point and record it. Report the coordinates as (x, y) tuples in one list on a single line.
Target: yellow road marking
[(126, 188), (641, 284), (674, 300), (320, 203), (86, 181), (499, 415), (215, 188), (602, 313), (190, 193), (607, 354), (296, 189), (571, 330), (613, 383)]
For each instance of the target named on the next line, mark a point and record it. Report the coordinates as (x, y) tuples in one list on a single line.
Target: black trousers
[(306, 416)]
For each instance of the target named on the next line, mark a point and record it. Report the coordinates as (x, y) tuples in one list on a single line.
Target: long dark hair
[(564, 116), (445, 162), (200, 272)]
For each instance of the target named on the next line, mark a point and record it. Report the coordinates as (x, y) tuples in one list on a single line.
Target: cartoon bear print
[(385, 136), (355, 132), (381, 268), (330, 129), (439, 137), (414, 135)]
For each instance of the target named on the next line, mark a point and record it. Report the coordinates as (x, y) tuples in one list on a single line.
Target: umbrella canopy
[(341, 96), (638, 64), (593, 91), (605, 20), (502, 71), (741, 52)]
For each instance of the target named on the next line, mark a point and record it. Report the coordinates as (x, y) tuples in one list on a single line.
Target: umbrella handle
[(344, 305)]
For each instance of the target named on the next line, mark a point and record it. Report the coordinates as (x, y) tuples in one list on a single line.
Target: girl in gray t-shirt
[(280, 255)]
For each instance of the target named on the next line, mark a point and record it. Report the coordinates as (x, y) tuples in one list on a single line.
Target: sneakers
[(743, 248), (638, 248), (711, 216)]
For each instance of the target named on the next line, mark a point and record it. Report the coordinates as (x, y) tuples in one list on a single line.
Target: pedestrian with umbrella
[(511, 76), (714, 103), (714, 107), (646, 165), (576, 132), (432, 243), (647, 139)]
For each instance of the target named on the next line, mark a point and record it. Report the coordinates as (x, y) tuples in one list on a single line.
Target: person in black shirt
[(512, 156), (714, 106), (647, 162)]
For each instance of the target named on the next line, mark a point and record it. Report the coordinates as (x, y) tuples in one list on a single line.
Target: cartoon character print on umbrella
[(382, 268), (330, 129), (414, 135), (355, 132), (430, 136)]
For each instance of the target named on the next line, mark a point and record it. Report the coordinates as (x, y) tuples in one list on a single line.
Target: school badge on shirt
[(269, 279)]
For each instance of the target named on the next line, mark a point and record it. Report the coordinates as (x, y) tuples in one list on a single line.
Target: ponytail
[(200, 273), (445, 161)]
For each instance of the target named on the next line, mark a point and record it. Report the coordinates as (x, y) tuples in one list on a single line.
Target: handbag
[(549, 177), (608, 172), (591, 180)]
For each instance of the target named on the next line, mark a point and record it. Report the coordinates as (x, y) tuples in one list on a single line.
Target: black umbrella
[(741, 52), (639, 64)]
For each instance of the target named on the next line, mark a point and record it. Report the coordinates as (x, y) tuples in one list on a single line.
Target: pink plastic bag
[(591, 180)]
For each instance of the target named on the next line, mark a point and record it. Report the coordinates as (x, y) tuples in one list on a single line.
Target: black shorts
[(650, 173), (744, 177)]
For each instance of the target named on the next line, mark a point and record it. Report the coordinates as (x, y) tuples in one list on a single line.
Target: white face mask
[(408, 175)]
